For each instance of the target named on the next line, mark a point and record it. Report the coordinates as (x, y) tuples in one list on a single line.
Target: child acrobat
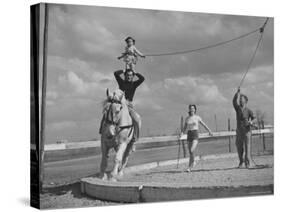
[(130, 56)]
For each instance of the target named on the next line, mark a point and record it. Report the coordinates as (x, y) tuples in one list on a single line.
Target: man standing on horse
[(129, 86), (244, 117)]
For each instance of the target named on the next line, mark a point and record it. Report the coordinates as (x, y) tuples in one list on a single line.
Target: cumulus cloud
[(85, 41), (194, 89), (258, 75), (61, 125), (61, 65), (142, 103), (75, 85)]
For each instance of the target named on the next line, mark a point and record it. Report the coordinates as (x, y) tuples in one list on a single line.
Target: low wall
[(156, 191), (148, 140), (92, 148)]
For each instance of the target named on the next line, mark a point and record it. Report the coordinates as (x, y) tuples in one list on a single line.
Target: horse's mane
[(117, 95)]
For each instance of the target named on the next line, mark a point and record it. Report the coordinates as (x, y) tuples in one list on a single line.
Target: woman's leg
[(127, 66), (191, 147), (133, 67)]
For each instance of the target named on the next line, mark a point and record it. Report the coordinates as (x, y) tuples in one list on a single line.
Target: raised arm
[(236, 98), (117, 75), (139, 80)]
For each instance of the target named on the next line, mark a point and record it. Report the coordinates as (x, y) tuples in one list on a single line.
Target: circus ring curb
[(133, 192)]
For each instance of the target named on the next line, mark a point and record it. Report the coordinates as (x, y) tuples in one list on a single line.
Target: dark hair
[(244, 96), (189, 107), (128, 38), (129, 70)]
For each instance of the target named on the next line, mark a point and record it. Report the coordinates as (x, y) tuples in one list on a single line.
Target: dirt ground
[(214, 172), (209, 173), (68, 196)]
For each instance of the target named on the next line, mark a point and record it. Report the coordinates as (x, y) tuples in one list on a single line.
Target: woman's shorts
[(192, 135)]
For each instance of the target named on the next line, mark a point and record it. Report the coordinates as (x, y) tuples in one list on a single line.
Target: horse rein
[(112, 101)]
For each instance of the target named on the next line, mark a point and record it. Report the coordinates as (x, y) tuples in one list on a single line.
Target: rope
[(248, 68), (252, 59), (205, 47)]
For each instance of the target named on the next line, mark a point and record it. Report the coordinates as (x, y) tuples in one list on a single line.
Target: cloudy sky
[(84, 42)]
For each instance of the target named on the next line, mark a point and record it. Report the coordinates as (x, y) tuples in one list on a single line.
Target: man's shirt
[(243, 115), (127, 87)]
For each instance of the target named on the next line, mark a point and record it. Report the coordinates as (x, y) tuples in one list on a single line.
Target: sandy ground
[(69, 171), (68, 196), (207, 173), (62, 187)]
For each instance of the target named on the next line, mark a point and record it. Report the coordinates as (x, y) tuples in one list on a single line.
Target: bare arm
[(184, 128), (205, 126), (139, 53), (120, 57)]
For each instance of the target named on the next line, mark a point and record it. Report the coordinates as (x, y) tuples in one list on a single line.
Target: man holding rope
[(244, 117)]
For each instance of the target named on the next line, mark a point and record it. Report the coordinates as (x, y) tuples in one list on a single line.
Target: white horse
[(117, 132)]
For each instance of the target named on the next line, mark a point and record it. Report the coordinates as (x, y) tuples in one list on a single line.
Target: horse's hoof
[(113, 174), (113, 179), (104, 176), (120, 173)]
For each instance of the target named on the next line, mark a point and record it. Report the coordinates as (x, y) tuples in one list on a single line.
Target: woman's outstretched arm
[(206, 127)]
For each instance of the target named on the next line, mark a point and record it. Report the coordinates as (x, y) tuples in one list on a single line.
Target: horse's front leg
[(118, 159), (104, 159), (125, 159)]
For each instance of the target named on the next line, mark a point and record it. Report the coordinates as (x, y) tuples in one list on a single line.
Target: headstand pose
[(245, 118), (192, 126), (130, 56)]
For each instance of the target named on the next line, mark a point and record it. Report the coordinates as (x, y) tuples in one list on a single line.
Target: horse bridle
[(108, 121)]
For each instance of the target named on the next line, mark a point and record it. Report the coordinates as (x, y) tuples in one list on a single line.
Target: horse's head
[(112, 108)]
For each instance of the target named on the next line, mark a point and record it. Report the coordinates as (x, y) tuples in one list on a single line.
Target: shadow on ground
[(73, 188), (204, 170), (67, 188)]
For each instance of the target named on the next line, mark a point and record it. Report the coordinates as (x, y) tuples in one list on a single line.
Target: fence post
[(263, 137), (216, 123), (183, 143), (229, 138)]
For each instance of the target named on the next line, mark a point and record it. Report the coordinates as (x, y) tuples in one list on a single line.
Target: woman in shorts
[(192, 126)]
